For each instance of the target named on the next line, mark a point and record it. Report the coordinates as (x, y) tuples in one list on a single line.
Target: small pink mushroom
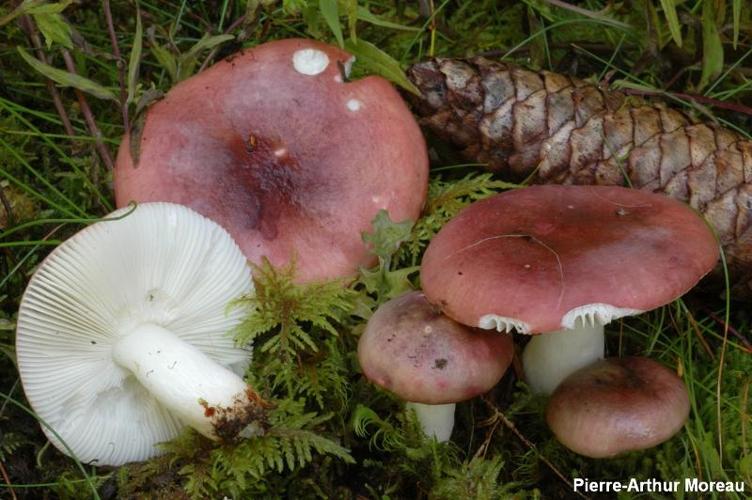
[(618, 405), (429, 360), (278, 148)]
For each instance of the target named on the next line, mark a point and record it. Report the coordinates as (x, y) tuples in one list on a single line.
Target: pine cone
[(558, 129)]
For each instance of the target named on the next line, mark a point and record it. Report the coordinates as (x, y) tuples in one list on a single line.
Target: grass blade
[(736, 11), (135, 60), (669, 10), (330, 12), (712, 46), (381, 63), (66, 79), (367, 16), (87, 478)]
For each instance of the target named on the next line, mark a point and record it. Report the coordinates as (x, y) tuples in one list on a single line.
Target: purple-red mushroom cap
[(618, 405), (422, 356), (279, 148), (539, 258)]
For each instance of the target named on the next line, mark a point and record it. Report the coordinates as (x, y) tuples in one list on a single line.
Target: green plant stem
[(89, 482)]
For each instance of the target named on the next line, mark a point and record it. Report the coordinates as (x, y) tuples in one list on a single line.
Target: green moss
[(331, 434)]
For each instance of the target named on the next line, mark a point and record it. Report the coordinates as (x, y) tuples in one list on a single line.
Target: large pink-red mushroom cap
[(293, 160), (414, 351), (539, 258), (618, 405)]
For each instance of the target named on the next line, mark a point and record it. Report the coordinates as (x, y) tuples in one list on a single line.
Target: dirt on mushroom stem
[(557, 129), (230, 421)]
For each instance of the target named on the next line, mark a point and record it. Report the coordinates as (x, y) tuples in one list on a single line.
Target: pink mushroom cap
[(422, 356), (276, 146), (543, 256), (617, 405)]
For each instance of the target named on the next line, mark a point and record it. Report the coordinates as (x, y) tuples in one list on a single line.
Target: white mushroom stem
[(180, 376), (549, 358), (437, 421)]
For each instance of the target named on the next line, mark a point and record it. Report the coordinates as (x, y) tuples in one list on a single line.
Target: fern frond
[(407, 436), (477, 478), (324, 378), (9, 443), (290, 444), (291, 310)]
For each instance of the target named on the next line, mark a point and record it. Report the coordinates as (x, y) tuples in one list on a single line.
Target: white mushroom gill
[(503, 324), (551, 357), (125, 328), (596, 313)]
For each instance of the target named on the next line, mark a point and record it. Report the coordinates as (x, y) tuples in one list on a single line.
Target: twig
[(494, 422), (91, 124), (745, 417), (28, 26), (510, 425), (588, 13), (589, 46), (120, 62), (6, 478), (731, 106), (698, 332), (10, 217), (733, 331)]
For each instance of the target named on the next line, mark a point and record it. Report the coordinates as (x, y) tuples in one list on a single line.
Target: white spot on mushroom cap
[(310, 62), (589, 314), (354, 104)]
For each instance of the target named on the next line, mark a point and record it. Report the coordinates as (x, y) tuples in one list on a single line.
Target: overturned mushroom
[(617, 405), (124, 338), (566, 259), (425, 358), (276, 146)]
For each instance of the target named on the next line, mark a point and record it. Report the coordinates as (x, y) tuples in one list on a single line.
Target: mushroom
[(425, 358), (123, 335), (617, 405), (564, 260), (276, 146)]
